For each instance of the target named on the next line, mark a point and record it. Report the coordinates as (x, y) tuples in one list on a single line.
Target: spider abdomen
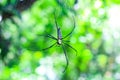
[(59, 35)]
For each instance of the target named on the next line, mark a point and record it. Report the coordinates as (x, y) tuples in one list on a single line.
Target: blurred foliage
[(23, 22)]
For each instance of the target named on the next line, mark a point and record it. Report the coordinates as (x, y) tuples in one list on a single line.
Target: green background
[(96, 39)]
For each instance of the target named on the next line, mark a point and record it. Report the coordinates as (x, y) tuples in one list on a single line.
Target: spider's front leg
[(49, 36)]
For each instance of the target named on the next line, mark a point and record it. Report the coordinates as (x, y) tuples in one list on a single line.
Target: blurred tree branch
[(11, 9), (6, 12)]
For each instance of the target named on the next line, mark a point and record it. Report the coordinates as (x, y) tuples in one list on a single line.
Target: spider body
[(59, 37), (61, 42)]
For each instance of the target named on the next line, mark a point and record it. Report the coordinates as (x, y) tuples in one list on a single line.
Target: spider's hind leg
[(67, 62)]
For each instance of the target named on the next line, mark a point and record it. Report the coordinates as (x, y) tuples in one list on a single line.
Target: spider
[(60, 41)]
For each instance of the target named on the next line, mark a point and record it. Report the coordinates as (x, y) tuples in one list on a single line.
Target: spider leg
[(49, 36), (55, 21), (49, 47), (66, 58), (66, 40), (71, 47), (71, 31)]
